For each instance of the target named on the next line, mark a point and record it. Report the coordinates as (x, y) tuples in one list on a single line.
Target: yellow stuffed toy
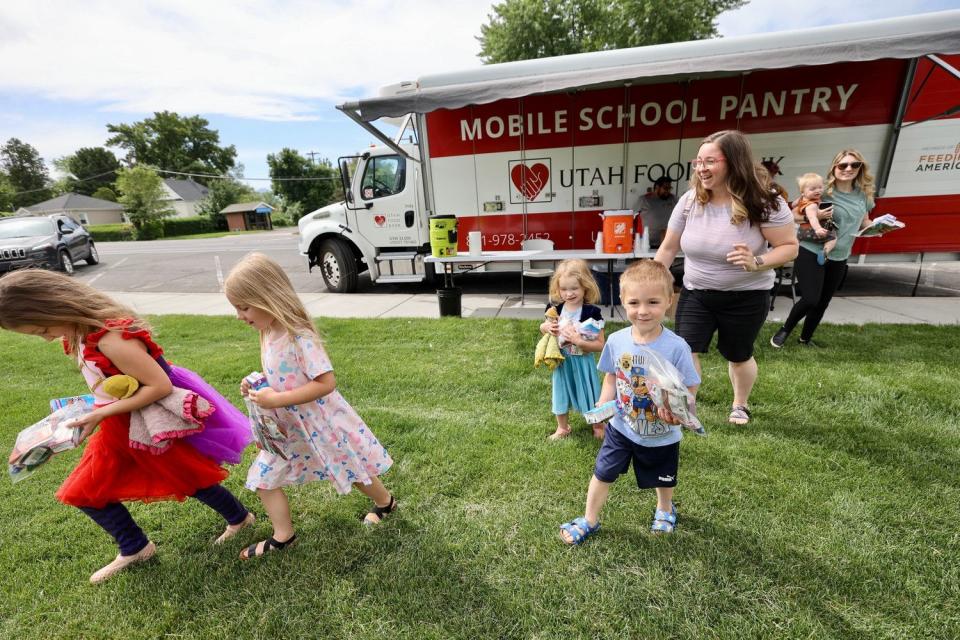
[(121, 386), (548, 349)]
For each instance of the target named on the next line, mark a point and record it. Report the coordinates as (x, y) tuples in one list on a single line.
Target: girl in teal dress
[(579, 330)]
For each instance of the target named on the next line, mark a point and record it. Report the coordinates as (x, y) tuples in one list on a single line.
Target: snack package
[(667, 389), (881, 225), (602, 413), (53, 434), (59, 403), (266, 432)]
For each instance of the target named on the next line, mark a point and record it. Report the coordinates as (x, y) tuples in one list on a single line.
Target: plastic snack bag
[(667, 389), (59, 403), (266, 432), (53, 434), (602, 413), (881, 225)]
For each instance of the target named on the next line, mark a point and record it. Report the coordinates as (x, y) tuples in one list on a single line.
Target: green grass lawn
[(834, 514)]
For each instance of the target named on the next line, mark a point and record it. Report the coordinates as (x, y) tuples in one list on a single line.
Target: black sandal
[(270, 544), (380, 512)]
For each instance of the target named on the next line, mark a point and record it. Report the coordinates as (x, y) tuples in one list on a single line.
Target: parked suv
[(50, 242)]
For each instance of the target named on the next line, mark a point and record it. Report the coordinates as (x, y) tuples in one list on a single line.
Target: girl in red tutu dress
[(105, 339)]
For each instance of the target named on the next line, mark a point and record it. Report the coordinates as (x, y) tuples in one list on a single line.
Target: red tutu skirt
[(110, 471)]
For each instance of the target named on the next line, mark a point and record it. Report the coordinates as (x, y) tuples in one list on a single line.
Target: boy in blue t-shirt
[(638, 431)]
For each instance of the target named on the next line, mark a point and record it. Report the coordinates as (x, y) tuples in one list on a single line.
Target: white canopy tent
[(902, 38)]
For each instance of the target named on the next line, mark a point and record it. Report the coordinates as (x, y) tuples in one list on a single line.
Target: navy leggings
[(818, 283), (117, 521)]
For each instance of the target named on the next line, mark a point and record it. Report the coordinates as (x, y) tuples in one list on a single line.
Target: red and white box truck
[(536, 149)]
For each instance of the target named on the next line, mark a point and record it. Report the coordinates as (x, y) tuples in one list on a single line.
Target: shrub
[(149, 230), (111, 232), (187, 226)]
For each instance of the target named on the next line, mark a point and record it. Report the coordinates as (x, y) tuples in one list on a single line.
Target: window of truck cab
[(383, 176)]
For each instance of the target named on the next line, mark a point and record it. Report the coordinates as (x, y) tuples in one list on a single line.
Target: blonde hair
[(647, 271), (807, 178), (47, 299), (580, 270), (751, 199), (863, 181), (259, 282)]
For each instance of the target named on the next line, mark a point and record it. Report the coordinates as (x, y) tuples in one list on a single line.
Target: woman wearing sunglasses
[(850, 190), (733, 231)]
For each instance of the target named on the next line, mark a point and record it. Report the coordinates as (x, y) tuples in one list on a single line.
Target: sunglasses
[(843, 166)]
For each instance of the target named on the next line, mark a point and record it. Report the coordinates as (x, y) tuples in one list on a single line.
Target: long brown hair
[(863, 181), (259, 282), (47, 299), (752, 200)]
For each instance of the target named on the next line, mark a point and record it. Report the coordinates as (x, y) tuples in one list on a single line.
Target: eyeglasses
[(706, 163), (843, 166)]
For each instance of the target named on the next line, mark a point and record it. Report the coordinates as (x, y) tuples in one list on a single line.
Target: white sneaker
[(122, 562)]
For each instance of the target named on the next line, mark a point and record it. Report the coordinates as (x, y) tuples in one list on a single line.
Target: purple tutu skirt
[(226, 433)]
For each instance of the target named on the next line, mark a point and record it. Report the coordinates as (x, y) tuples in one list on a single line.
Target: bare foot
[(234, 529), (559, 434), (122, 562)]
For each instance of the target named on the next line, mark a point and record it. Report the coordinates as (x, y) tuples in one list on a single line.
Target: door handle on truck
[(408, 218)]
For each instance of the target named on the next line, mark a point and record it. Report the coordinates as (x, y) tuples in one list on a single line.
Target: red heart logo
[(379, 220), (530, 181)]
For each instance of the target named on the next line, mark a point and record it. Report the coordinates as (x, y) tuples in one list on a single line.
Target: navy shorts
[(735, 316), (653, 466)]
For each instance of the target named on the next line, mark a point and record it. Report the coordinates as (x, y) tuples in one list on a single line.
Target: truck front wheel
[(338, 266)]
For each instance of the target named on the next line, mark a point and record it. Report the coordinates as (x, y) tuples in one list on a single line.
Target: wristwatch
[(758, 260)]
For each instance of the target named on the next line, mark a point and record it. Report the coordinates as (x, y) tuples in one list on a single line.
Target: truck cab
[(380, 226)]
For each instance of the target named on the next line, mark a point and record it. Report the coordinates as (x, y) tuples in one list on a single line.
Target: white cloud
[(264, 60), (760, 16)]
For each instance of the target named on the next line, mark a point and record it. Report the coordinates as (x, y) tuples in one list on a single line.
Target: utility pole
[(312, 154)]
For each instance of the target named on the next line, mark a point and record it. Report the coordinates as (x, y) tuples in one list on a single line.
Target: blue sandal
[(663, 521), (579, 530)]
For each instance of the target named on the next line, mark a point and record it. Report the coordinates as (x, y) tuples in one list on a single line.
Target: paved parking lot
[(198, 266)]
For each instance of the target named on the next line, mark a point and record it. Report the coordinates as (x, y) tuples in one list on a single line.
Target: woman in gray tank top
[(733, 232)]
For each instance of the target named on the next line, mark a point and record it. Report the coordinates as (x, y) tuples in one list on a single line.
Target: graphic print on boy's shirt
[(633, 397)]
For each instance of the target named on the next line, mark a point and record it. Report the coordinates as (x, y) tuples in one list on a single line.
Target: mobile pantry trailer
[(536, 149)]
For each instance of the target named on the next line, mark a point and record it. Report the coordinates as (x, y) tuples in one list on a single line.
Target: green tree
[(175, 143), (222, 194), (313, 184), (141, 194), (105, 193), (6, 195), (91, 169), (530, 29), (25, 173)]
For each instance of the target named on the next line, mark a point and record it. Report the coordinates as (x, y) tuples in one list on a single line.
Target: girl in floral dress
[(105, 338), (325, 438)]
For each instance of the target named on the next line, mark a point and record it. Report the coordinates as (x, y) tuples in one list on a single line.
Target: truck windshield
[(26, 228), (383, 176)]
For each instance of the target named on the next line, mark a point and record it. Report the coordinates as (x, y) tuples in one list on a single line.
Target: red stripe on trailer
[(933, 224)]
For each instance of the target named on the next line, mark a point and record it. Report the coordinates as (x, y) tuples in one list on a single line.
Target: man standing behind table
[(655, 208)]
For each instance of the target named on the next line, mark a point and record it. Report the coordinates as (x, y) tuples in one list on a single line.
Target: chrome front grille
[(12, 254)]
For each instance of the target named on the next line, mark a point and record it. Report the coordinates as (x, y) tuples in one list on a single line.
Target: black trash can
[(604, 283), (449, 299)]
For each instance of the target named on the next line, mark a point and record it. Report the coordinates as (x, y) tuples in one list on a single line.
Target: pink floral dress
[(326, 439)]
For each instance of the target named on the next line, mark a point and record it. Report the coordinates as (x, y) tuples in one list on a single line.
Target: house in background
[(246, 216), (84, 209), (183, 196)]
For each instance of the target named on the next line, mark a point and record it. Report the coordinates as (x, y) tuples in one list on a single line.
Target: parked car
[(49, 242)]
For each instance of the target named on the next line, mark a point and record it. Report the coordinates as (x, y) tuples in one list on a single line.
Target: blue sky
[(266, 73)]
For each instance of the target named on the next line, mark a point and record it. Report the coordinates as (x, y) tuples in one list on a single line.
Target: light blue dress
[(576, 384)]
